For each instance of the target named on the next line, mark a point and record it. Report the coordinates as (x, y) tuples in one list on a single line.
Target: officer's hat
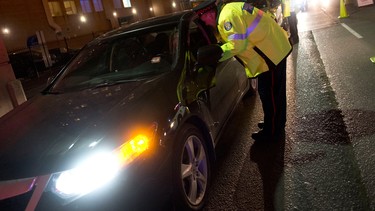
[(205, 7)]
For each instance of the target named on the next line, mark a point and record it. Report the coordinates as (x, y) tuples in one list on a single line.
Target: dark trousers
[(272, 93), (292, 20)]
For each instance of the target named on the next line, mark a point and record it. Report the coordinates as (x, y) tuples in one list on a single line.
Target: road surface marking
[(351, 31)]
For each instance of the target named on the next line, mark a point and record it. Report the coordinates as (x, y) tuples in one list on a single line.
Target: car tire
[(191, 170)]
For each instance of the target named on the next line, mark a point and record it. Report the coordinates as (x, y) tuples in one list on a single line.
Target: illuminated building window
[(126, 3), (70, 7), (98, 5), (121, 4), (55, 8), (85, 5), (117, 4)]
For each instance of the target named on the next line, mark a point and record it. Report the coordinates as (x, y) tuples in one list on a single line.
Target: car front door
[(224, 93)]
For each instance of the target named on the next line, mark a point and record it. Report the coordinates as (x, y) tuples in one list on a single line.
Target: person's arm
[(232, 28)]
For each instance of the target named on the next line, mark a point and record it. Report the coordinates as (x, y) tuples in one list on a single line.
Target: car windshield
[(124, 58)]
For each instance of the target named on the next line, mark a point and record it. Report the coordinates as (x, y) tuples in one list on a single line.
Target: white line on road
[(351, 31)]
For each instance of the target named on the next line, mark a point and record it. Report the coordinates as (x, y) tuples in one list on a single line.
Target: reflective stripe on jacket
[(243, 27)]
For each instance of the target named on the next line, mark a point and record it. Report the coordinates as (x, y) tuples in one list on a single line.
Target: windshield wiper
[(112, 83)]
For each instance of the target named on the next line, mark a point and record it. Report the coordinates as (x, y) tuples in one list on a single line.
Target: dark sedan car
[(131, 122)]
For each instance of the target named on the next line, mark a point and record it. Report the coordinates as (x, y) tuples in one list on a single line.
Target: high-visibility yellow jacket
[(243, 27), (286, 8)]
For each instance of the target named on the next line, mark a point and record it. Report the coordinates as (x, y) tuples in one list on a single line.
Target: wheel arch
[(202, 127)]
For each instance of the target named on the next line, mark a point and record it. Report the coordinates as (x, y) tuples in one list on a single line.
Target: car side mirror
[(209, 55)]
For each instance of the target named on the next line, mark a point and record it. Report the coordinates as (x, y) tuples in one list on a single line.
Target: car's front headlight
[(87, 176), (99, 169)]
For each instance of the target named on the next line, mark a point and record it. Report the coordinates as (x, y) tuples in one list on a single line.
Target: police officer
[(289, 13), (262, 45)]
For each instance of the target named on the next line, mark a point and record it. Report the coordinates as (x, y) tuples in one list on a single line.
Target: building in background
[(72, 23), (67, 25)]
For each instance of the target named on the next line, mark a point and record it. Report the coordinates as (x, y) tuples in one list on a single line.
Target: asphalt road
[(327, 160)]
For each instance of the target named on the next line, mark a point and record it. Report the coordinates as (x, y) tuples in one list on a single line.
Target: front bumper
[(144, 185)]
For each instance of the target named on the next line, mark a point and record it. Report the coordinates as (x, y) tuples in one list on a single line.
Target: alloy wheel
[(194, 170)]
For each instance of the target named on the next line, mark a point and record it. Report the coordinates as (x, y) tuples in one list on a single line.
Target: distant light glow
[(83, 19), (315, 4), (6, 31), (325, 3), (174, 4), (114, 14), (134, 11), (151, 9)]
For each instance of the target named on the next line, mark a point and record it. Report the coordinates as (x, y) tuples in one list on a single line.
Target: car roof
[(170, 19)]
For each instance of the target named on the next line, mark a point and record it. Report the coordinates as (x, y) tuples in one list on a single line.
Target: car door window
[(197, 38)]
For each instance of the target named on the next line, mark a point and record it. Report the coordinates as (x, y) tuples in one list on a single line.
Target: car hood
[(49, 132)]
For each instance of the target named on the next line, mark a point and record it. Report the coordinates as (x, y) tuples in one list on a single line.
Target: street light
[(83, 19), (152, 11), (5, 31)]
